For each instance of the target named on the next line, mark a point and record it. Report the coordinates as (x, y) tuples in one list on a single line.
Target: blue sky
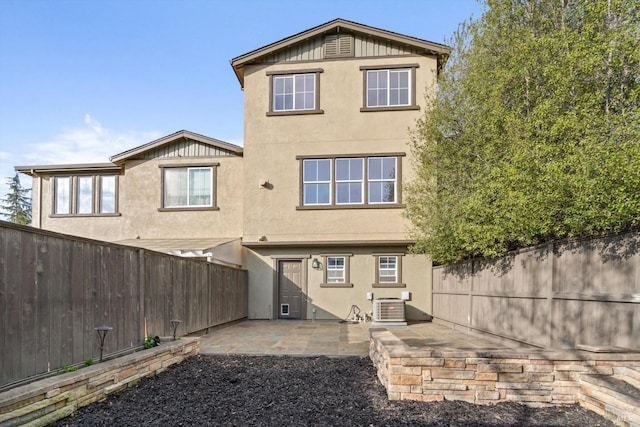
[(81, 81)]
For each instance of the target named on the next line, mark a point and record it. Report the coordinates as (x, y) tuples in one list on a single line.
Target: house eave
[(35, 170), (327, 243), (239, 62)]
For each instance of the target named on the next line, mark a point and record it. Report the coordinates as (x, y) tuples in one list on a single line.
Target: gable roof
[(336, 25), (183, 134)]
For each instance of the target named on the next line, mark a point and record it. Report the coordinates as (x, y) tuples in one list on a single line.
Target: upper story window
[(188, 187), (295, 92), (350, 182), (390, 88), (85, 195)]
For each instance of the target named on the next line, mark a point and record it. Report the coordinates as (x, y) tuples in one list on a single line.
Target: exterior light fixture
[(102, 333), (175, 324), (315, 263)]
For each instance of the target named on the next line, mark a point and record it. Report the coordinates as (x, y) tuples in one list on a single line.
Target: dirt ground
[(210, 390)]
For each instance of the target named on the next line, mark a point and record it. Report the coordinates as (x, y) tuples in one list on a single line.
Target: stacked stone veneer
[(42, 402), (532, 377)]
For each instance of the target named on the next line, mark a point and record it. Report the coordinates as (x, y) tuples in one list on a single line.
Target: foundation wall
[(42, 402), (532, 377)]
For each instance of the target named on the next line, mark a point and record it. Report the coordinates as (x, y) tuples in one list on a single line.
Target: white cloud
[(90, 143)]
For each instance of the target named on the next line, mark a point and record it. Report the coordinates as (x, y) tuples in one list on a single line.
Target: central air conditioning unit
[(389, 311)]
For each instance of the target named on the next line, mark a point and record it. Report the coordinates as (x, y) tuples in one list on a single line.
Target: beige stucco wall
[(273, 142), (139, 198), (335, 303)]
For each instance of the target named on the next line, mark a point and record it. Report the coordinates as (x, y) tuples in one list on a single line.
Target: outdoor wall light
[(315, 263), (175, 324), (102, 333)]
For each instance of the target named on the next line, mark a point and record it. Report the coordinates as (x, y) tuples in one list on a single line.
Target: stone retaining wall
[(42, 402), (532, 377)]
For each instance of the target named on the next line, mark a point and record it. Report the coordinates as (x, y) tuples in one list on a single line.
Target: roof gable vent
[(338, 45)]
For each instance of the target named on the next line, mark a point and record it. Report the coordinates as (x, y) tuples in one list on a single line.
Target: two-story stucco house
[(311, 204)]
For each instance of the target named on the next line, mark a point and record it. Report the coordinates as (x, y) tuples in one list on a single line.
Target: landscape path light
[(102, 332), (175, 323)]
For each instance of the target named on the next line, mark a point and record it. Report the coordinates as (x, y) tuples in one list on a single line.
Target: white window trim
[(214, 182), (304, 182), (361, 181), (73, 195), (366, 203), (398, 271), (347, 270), (395, 182)]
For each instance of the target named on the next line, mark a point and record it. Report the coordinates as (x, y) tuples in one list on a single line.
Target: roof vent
[(338, 45)]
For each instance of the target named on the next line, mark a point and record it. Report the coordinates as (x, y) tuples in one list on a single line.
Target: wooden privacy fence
[(55, 289), (557, 295)]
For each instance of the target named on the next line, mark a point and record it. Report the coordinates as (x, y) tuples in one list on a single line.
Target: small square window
[(336, 270), (388, 271)]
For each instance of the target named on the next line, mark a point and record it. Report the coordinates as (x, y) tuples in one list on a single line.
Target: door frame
[(276, 283)]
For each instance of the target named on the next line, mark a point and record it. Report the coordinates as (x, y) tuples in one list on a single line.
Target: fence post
[(141, 288)]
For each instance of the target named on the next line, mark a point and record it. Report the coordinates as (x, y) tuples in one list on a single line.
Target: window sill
[(336, 285), (394, 108), (211, 208), (84, 215), (389, 285), (293, 112), (333, 207)]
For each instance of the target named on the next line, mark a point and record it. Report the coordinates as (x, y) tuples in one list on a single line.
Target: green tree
[(535, 130), (16, 203)]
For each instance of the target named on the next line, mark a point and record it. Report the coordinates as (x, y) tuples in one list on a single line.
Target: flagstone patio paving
[(329, 338)]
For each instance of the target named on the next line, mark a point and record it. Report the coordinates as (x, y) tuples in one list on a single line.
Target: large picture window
[(188, 187), (85, 195), (348, 182), (295, 92)]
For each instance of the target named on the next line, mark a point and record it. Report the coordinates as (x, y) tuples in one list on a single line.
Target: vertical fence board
[(55, 289), (556, 295)]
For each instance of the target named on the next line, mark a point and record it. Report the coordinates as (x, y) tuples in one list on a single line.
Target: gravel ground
[(209, 390)]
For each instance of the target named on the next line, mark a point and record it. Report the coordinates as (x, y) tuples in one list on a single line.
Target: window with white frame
[(294, 92), (387, 88), (85, 195), (382, 179), (388, 270), (317, 181), (350, 182), (62, 195), (336, 270), (188, 187), (107, 198)]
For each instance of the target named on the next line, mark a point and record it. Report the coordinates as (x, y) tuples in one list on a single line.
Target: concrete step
[(612, 397)]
